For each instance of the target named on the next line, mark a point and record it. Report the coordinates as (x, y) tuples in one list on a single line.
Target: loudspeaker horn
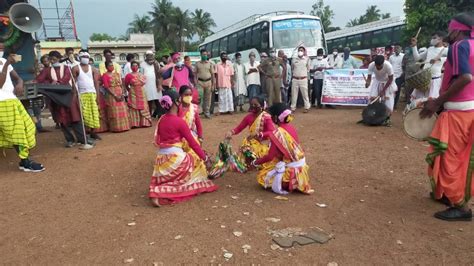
[(25, 17)]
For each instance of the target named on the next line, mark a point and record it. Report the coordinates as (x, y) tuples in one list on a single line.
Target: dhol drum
[(375, 113), (417, 128), (421, 80)]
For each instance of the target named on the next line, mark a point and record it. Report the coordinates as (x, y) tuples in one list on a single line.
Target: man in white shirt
[(17, 130), (240, 88), (252, 77), (396, 61), (383, 85), (318, 65), (300, 70), (334, 59), (434, 58)]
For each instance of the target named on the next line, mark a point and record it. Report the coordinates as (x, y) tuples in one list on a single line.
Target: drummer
[(451, 157), (383, 85), (433, 58)]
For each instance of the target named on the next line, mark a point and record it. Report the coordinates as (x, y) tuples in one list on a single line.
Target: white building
[(137, 44)]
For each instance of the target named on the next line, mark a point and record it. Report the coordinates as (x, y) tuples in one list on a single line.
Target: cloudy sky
[(113, 16)]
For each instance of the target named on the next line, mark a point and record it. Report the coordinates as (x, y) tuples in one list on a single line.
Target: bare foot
[(156, 202)]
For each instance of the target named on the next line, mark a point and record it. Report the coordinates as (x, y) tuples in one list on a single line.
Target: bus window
[(397, 33), (223, 45), (340, 43), (241, 41), (289, 33), (248, 38), (366, 40), (330, 45), (232, 45), (265, 31), (354, 42), (381, 38), (208, 47), (256, 37), (215, 48)]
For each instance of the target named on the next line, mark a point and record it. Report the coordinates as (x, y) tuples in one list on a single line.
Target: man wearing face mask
[(434, 58), (67, 117), (205, 81), (396, 61), (153, 91), (270, 67), (224, 78), (240, 89), (348, 61), (285, 84), (252, 76), (300, 68), (87, 82), (178, 75), (318, 65), (334, 59)]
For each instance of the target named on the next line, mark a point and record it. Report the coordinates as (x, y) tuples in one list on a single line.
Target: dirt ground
[(372, 179)]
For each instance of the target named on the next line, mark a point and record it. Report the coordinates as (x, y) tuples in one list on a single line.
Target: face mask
[(84, 60), (334, 53), (300, 53), (56, 64), (179, 64), (134, 68), (204, 58), (110, 68), (434, 42), (238, 60), (187, 99), (319, 57)]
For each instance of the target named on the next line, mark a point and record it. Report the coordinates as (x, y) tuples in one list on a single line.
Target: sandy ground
[(372, 179)]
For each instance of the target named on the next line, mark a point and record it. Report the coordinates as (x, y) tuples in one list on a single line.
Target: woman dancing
[(284, 168), (259, 122), (175, 177)]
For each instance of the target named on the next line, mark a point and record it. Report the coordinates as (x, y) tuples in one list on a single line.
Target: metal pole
[(59, 19)]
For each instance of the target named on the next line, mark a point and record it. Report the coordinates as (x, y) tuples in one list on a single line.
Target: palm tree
[(182, 25), (140, 24), (353, 22), (160, 17), (372, 14), (386, 15), (203, 22)]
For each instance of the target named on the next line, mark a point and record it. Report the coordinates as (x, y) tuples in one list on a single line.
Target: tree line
[(178, 29)]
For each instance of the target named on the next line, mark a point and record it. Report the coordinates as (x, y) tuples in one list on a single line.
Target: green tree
[(140, 24), (372, 13), (203, 23), (101, 37), (160, 15), (183, 27), (325, 13), (431, 16)]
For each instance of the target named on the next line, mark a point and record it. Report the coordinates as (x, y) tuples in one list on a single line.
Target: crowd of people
[(115, 98)]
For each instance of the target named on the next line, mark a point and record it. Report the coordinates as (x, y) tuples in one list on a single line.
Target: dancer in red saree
[(176, 177)]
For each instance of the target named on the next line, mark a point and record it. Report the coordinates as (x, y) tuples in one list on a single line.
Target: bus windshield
[(290, 33)]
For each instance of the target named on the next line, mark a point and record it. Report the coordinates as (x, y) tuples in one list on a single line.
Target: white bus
[(369, 38), (283, 30)]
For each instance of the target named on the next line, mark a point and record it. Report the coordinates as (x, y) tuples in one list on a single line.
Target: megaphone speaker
[(25, 17)]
